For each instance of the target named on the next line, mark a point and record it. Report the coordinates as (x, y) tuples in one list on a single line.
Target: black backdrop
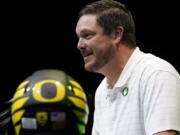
[(42, 35)]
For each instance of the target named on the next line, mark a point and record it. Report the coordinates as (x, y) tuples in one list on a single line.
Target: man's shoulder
[(151, 64)]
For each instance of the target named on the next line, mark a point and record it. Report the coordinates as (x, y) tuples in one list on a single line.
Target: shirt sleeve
[(161, 103)]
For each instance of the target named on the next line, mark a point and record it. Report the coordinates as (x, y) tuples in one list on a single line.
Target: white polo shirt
[(145, 99)]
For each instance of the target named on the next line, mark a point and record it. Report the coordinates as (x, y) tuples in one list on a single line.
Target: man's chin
[(88, 67)]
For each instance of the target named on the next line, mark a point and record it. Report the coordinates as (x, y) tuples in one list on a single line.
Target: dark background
[(42, 35)]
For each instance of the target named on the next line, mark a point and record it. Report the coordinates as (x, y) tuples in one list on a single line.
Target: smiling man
[(140, 94)]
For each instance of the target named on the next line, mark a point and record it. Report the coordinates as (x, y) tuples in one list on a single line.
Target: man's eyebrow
[(85, 31)]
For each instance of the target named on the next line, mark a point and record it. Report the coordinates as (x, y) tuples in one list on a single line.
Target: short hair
[(111, 14)]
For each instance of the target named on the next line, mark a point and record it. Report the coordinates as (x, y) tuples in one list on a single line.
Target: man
[(140, 94)]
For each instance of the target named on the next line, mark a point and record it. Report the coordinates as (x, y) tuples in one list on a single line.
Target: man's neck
[(114, 69)]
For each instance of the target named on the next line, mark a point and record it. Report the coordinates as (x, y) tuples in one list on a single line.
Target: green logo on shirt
[(125, 91)]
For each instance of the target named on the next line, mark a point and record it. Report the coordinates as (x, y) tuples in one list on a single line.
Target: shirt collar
[(129, 67)]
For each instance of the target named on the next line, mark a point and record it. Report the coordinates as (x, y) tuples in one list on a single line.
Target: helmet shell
[(49, 102)]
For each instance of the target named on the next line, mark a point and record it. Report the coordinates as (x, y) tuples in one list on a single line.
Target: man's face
[(96, 48)]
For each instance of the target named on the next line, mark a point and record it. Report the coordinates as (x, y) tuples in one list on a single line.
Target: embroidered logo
[(125, 91)]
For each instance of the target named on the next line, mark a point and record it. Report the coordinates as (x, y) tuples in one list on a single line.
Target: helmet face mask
[(49, 102)]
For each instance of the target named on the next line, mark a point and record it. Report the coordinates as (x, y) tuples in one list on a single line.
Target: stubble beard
[(101, 59)]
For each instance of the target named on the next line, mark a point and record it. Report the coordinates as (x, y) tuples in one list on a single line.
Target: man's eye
[(88, 36)]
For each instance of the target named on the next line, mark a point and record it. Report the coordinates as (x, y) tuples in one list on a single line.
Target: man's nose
[(81, 44)]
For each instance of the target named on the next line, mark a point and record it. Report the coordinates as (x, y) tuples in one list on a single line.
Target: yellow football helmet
[(49, 102)]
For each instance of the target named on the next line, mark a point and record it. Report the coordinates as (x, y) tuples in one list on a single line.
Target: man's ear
[(118, 34)]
